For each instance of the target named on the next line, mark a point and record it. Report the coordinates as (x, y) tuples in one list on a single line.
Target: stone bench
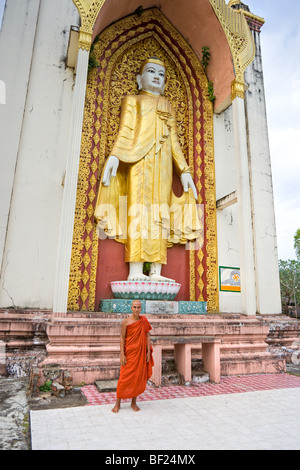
[(183, 346)]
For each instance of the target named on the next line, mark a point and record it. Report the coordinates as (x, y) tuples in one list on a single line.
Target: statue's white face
[(152, 79)]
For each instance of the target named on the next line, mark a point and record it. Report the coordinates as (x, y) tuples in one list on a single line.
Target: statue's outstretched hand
[(110, 169), (187, 182)]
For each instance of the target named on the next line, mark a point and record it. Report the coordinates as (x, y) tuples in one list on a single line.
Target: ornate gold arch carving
[(233, 22), (88, 10), (120, 50), (240, 41)]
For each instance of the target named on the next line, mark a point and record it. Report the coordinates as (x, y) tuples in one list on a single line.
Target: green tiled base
[(199, 308), (154, 306), (118, 306)]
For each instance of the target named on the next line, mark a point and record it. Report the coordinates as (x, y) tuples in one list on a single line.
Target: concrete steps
[(87, 343)]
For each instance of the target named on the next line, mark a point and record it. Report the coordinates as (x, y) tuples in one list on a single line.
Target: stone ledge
[(106, 385)]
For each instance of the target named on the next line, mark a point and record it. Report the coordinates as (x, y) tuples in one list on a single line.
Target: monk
[(136, 357)]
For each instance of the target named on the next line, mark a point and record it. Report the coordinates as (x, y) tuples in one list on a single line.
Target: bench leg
[(183, 360), (156, 370), (211, 360)]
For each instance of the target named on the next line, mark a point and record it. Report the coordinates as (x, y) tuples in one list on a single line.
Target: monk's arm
[(148, 347), (122, 343)]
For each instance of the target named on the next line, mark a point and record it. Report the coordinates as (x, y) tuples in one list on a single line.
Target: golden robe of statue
[(152, 217)]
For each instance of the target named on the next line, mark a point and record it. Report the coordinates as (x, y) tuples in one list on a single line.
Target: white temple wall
[(16, 47), (34, 146), (224, 154), (268, 298), (227, 218), (267, 284)]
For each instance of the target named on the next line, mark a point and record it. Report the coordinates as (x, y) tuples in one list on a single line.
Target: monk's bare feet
[(135, 407), (117, 407)]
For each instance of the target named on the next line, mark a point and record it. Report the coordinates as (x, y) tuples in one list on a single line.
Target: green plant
[(205, 62), (205, 57), (146, 268), (289, 272), (25, 424), (46, 387), (297, 243), (211, 91), (93, 62), (139, 11)]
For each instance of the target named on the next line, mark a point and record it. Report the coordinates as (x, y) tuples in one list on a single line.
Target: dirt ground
[(15, 406)]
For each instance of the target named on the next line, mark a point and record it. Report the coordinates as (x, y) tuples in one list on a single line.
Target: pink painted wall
[(197, 23)]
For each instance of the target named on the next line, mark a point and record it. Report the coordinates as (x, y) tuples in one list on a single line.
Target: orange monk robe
[(135, 373)]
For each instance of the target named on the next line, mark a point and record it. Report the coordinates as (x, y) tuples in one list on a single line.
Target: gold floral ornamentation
[(88, 10), (120, 50), (239, 38), (237, 89)]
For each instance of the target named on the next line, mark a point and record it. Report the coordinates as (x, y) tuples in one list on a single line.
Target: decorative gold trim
[(253, 16), (237, 90), (89, 11), (238, 34), (85, 40)]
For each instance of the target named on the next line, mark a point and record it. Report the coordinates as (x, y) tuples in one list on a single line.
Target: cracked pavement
[(14, 414), (16, 404)]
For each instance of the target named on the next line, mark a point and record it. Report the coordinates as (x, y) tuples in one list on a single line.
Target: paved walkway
[(250, 412)]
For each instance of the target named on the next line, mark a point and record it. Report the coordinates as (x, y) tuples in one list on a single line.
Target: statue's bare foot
[(135, 407), (158, 278), (138, 277), (116, 408)]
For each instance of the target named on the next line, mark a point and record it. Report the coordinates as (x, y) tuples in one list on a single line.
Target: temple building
[(65, 68)]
